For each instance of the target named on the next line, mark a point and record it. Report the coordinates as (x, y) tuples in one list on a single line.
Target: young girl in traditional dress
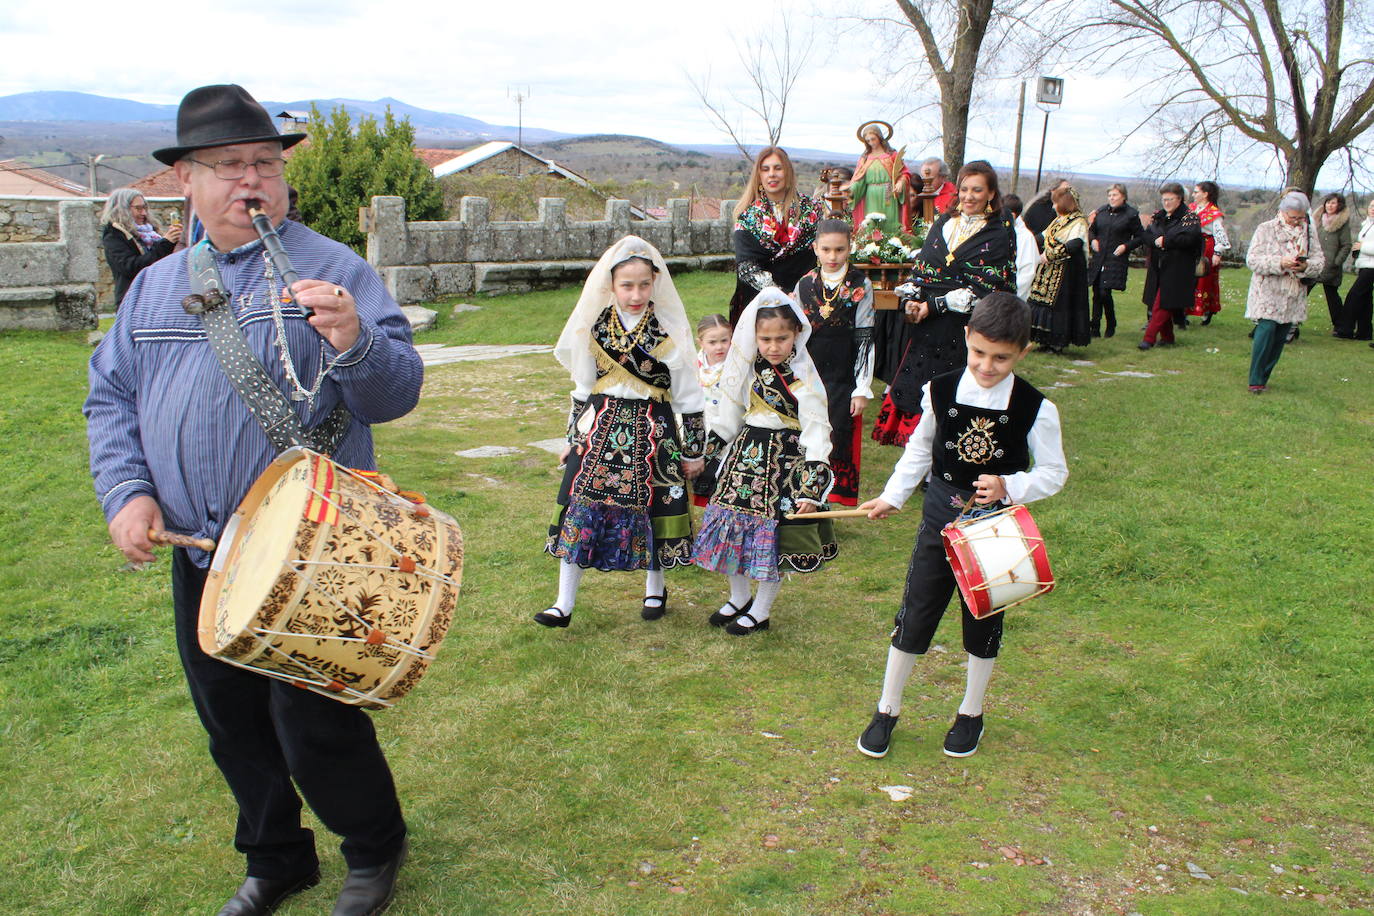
[(713, 342), (772, 428), (838, 302), (623, 502)]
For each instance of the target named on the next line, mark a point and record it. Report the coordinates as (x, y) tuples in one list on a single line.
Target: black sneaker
[(962, 738), (876, 738)]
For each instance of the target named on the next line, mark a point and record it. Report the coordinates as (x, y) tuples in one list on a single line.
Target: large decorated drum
[(331, 579)]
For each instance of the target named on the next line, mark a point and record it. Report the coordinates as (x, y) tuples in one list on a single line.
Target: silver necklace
[(298, 391)]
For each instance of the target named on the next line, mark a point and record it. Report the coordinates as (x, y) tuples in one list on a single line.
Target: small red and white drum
[(327, 578), (999, 560)]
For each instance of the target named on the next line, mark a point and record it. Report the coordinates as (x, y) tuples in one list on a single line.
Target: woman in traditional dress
[(1175, 244), (969, 252), (1207, 296), (1059, 294), (623, 501), (881, 182), (774, 230), (1333, 231), (1113, 230)]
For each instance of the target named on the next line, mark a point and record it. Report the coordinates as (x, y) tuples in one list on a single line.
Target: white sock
[(979, 671), (569, 577), (763, 600), (653, 584), (739, 591), (899, 665)]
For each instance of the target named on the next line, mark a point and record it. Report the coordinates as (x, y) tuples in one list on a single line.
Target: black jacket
[(1112, 228), (126, 257)]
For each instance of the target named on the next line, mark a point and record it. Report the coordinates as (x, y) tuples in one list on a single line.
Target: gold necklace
[(967, 228), (622, 339), (828, 302)]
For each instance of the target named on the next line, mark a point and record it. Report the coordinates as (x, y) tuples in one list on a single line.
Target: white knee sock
[(763, 600), (979, 671), (653, 583), (739, 591), (899, 665), (569, 577)]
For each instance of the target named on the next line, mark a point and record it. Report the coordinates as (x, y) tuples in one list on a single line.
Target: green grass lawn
[(1194, 691)]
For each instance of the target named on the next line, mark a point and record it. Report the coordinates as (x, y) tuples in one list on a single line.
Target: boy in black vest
[(983, 433)]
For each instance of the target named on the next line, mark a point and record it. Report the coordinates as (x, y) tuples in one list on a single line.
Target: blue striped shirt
[(163, 419)]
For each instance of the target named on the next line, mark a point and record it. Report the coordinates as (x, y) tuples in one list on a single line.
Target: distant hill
[(79, 106)]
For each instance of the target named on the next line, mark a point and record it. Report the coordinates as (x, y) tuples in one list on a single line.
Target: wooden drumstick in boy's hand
[(180, 540)]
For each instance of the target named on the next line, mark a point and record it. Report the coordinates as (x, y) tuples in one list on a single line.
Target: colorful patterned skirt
[(743, 531), (623, 501), (1207, 297)]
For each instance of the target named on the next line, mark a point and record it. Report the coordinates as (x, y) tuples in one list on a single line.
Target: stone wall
[(475, 254), (34, 219), (50, 284)]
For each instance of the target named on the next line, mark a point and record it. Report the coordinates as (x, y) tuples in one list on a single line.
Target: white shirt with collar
[(1049, 469)]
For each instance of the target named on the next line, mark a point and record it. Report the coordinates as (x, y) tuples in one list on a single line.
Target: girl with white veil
[(773, 428), (623, 503)]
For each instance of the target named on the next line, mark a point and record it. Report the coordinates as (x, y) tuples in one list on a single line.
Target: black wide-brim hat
[(221, 116)]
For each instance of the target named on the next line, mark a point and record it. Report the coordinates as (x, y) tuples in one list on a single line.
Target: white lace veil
[(574, 349), (737, 378)]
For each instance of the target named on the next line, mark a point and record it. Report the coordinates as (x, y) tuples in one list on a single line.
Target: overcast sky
[(592, 66)]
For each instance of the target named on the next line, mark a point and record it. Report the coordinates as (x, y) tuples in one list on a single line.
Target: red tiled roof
[(433, 157), (162, 183)]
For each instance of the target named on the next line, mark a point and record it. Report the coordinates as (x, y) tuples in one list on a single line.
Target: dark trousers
[(930, 584), (265, 733), (1270, 336), (1161, 325), (1103, 305), (1340, 320), (1359, 305)]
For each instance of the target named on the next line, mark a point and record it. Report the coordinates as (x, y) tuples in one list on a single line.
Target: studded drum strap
[(245, 372)]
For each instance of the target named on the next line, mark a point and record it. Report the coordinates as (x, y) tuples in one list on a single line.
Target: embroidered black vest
[(635, 352), (773, 389), (972, 441)]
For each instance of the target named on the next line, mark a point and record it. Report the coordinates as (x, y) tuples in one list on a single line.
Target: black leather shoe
[(260, 896), (720, 619), (657, 610), (368, 891), (553, 620)]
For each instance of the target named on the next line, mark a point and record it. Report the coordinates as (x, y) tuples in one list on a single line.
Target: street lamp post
[(1049, 95)]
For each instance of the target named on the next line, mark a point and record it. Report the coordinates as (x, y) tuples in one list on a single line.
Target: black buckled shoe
[(963, 736), (260, 896), (736, 628), (719, 619), (878, 736), (368, 891), (655, 611), (553, 620)]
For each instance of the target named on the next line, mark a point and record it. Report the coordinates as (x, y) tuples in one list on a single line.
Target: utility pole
[(91, 163), (1016, 155), (521, 95)]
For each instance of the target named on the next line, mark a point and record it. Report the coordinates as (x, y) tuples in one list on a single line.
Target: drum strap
[(245, 372)]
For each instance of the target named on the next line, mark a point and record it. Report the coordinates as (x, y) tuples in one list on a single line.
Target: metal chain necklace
[(298, 391)]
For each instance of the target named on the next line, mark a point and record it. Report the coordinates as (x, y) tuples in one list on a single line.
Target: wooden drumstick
[(829, 513), (180, 540)]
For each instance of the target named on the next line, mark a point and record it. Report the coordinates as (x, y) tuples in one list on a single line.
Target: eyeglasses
[(234, 169)]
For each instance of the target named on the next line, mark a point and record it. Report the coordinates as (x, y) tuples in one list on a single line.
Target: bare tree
[(966, 49), (772, 64), (1238, 75)]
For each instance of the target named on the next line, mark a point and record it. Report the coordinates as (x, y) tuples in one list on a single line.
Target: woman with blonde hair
[(131, 239), (775, 227)]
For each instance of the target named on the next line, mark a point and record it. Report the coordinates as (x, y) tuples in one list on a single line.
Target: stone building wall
[(34, 219), (475, 254)]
